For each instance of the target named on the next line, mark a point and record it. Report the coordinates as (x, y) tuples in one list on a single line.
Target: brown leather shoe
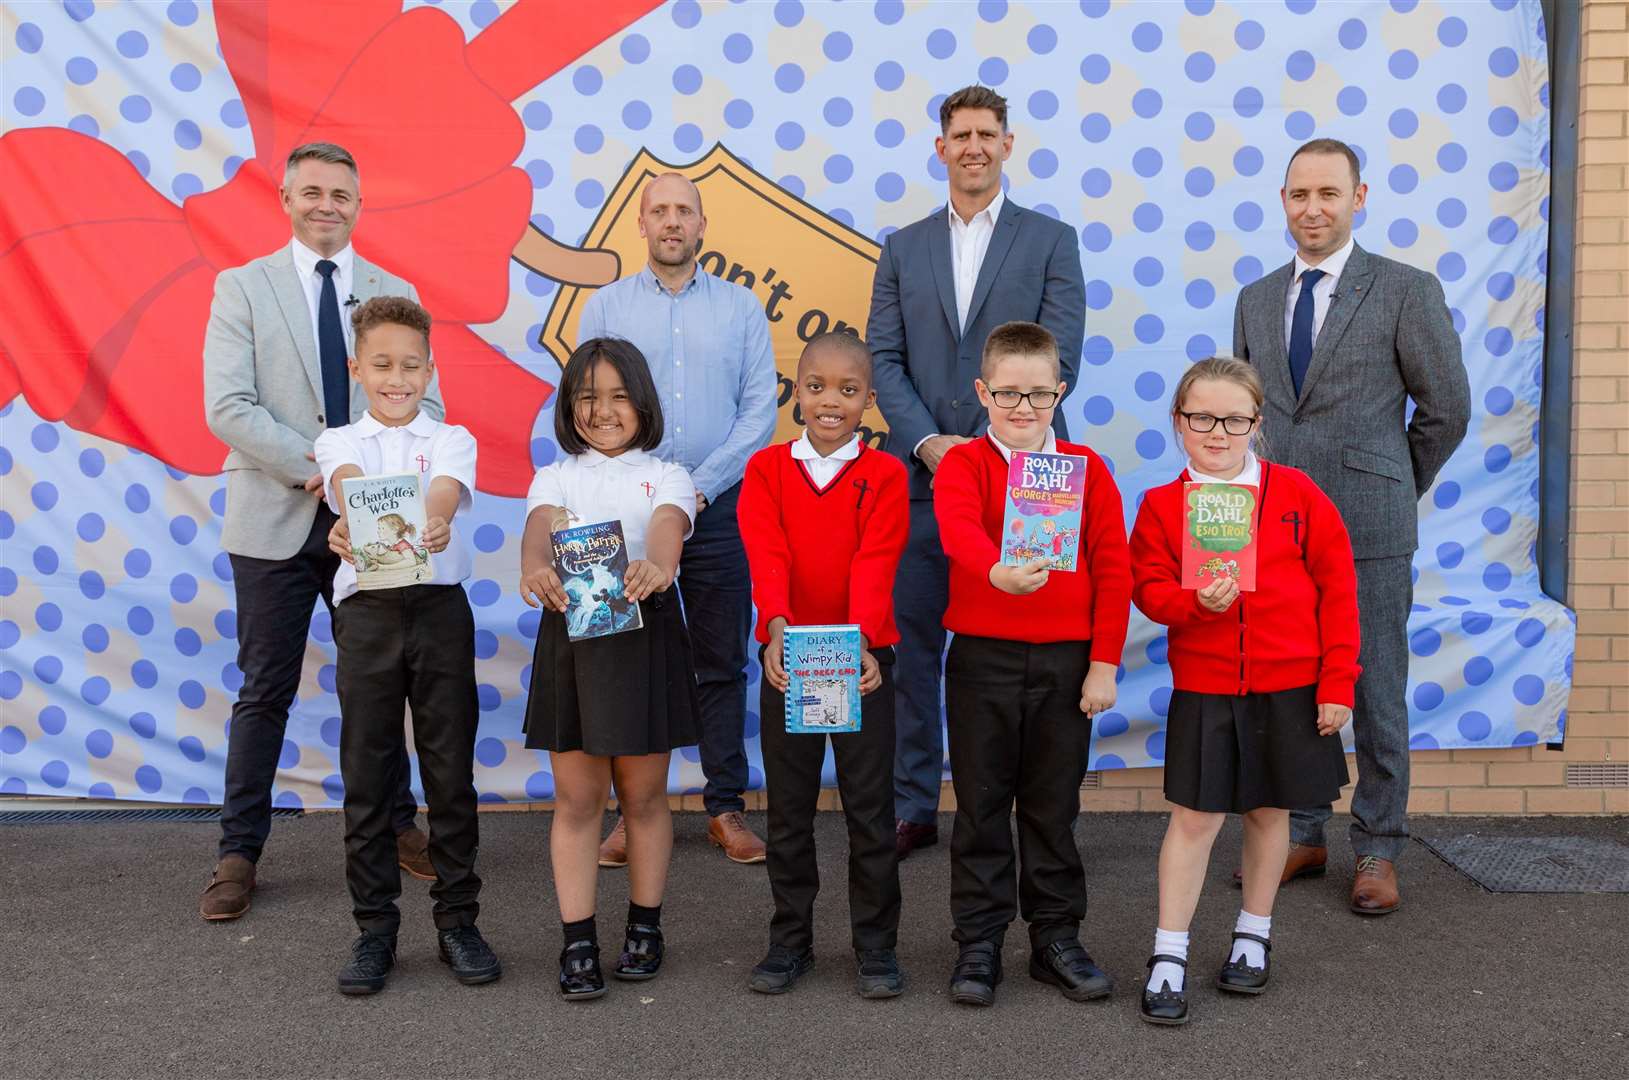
[(227, 895), (413, 853), (1374, 887), (908, 836), (729, 831), (1305, 860), (614, 848)]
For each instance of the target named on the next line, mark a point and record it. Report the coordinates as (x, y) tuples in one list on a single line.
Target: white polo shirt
[(423, 445), (626, 488), (822, 470)]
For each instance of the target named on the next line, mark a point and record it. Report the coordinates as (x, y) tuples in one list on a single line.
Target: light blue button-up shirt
[(709, 353)]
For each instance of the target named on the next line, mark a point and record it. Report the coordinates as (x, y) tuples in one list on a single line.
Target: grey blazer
[(263, 397), (1387, 337), (925, 364)]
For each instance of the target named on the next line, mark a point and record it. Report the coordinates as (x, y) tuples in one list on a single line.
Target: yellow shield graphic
[(811, 272)]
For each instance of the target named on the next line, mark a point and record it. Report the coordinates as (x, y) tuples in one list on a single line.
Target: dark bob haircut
[(578, 379)]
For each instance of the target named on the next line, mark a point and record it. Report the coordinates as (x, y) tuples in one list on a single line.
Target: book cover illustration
[(823, 667), (1045, 496), (386, 517), (592, 561), (1219, 536)]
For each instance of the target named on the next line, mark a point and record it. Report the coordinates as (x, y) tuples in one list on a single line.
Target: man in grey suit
[(942, 284), (274, 377), (1343, 339)]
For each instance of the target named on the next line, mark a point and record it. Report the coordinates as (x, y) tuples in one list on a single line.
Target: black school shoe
[(1238, 977), (472, 960), (977, 973), (372, 957), (780, 969), (580, 978), (878, 974), (641, 953), (1165, 1006), (1067, 965)]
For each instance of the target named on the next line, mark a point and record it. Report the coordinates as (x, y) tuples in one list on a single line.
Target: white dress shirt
[(1048, 447), (424, 446), (822, 470), (626, 488), (305, 265), (1250, 474), (1321, 292)]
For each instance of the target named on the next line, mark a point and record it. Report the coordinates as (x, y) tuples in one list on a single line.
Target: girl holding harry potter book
[(610, 709), (1263, 679)]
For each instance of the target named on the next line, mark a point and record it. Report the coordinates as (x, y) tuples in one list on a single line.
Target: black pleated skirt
[(1226, 754), (623, 694)]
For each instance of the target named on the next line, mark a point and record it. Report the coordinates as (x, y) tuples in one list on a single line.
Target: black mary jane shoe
[(1067, 965), (977, 973), (1165, 1006), (580, 978), (1238, 977), (641, 955)]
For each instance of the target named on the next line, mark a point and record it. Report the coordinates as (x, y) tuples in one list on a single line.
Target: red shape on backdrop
[(108, 283)]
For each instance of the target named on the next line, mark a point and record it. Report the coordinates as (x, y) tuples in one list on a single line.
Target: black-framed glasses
[(1038, 399), (1203, 422)]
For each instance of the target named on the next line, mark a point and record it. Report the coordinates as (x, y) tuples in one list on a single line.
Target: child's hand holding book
[(1020, 580), (870, 670), (437, 533), (646, 577), (339, 539), (541, 587), (775, 655)]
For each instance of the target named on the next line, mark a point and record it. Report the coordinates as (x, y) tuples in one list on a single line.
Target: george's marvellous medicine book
[(1219, 534), (1045, 496), (823, 672), (386, 517), (592, 561)]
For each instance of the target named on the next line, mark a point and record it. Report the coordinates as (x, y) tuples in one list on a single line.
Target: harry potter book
[(592, 561), (1219, 534), (1045, 496), (386, 517), (823, 669)]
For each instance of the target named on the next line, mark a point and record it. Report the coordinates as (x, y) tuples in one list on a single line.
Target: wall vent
[(1598, 774), (1091, 781)]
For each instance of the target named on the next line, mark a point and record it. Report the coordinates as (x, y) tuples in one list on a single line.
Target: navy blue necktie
[(1301, 329), (336, 389)]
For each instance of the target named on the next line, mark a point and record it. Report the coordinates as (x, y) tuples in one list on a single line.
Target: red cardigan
[(825, 556), (1299, 627), (1092, 603)]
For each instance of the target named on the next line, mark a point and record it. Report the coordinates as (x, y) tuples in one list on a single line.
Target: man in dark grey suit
[(1343, 339), (942, 284), (274, 377)]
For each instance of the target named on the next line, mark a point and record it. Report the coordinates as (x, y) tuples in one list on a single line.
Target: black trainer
[(1067, 965), (472, 960), (580, 978), (977, 973), (372, 957), (780, 969), (878, 975), (641, 953)]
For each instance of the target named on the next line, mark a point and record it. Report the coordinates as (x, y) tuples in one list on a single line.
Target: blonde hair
[(1224, 369), (398, 525)]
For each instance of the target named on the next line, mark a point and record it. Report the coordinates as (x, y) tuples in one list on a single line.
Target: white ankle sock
[(1254, 953), (1170, 943)]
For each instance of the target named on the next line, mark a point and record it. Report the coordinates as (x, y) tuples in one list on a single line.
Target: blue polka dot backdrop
[(1158, 131)]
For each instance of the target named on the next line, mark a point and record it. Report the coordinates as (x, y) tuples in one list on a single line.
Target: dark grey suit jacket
[(1387, 337), (925, 365)]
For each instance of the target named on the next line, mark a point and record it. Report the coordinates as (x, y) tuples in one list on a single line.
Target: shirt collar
[(305, 260), (1331, 266), (804, 450), (993, 211), (1048, 447), (422, 425), (1250, 474), (649, 280), (592, 458)]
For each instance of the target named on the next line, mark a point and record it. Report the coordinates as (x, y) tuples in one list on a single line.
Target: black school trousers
[(409, 647), (1016, 735), (865, 780)]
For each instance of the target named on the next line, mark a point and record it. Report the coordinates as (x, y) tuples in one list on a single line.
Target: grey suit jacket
[(925, 363), (1387, 337), (263, 397)]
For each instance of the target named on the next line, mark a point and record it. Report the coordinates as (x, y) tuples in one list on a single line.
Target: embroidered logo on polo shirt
[(424, 463), (650, 489)]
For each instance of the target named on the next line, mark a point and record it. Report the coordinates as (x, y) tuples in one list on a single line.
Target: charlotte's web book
[(823, 668), (592, 561), (1219, 534), (1045, 495), (386, 518)]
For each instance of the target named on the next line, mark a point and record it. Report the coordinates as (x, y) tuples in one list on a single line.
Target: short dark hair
[(1019, 339), (333, 153), (843, 341), (578, 376), (972, 97), (396, 310), (1328, 146)]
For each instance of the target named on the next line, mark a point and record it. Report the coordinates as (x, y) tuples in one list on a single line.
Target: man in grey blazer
[(1343, 339), (942, 284), (274, 377)]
